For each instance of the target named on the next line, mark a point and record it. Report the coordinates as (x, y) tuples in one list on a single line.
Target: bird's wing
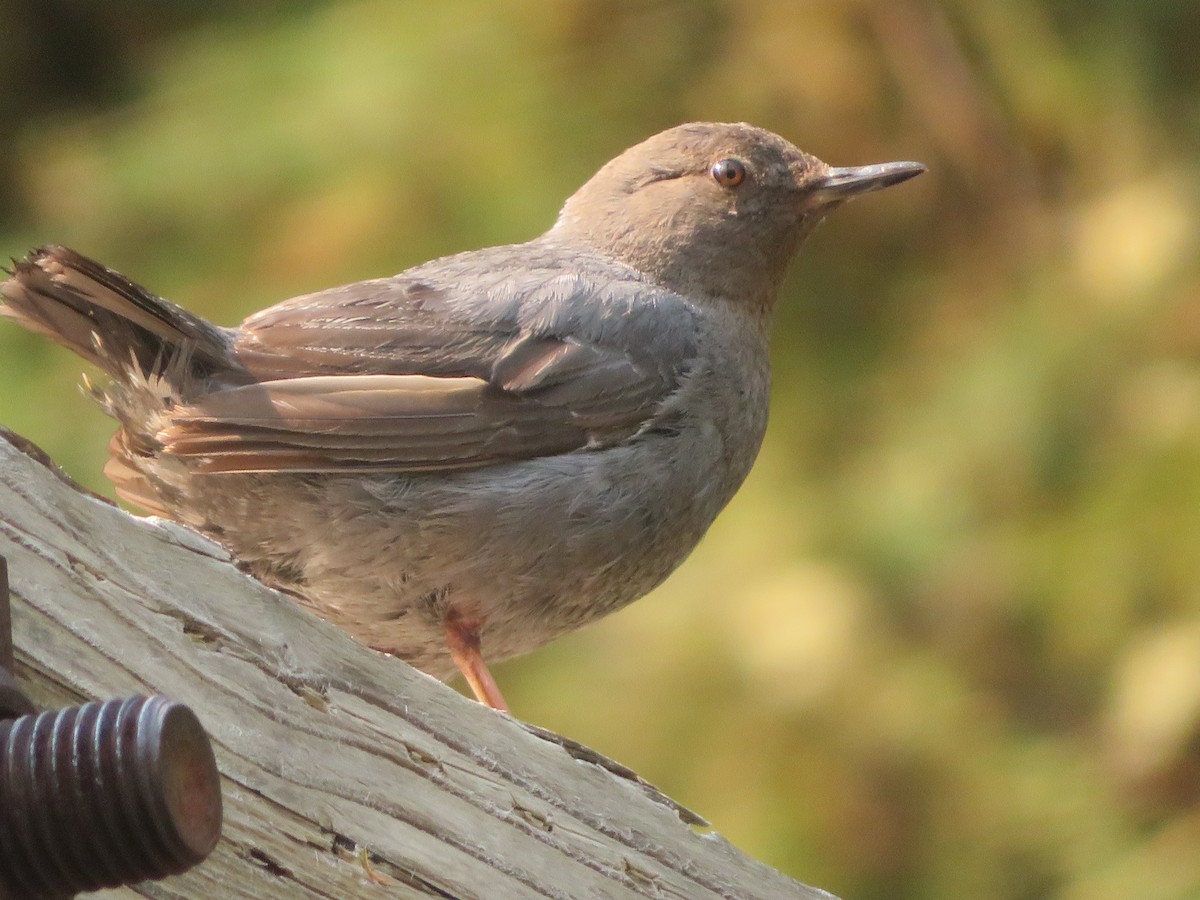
[(402, 375)]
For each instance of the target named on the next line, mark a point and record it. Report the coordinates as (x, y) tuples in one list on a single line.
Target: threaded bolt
[(104, 794)]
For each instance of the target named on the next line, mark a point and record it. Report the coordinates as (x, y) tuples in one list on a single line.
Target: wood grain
[(336, 761)]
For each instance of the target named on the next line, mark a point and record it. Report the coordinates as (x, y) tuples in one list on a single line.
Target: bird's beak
[(839, 184)]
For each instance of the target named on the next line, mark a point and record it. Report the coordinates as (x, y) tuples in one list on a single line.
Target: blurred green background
[(946, 641)]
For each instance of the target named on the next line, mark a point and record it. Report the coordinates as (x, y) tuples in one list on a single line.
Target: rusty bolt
[(99, 795), (104, 794)]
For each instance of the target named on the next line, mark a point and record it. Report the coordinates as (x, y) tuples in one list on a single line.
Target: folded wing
[(401, 376)]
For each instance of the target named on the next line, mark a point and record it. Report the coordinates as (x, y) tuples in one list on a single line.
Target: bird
[(461, 462)]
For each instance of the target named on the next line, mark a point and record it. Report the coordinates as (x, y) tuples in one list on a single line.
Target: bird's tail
[(108, 320)]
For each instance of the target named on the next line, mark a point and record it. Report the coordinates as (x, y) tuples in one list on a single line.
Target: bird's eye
[(729, 172)]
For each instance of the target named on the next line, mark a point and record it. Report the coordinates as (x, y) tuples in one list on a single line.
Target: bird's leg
[(462, 637)]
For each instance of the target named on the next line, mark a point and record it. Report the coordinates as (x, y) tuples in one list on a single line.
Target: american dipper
[(488, 450)]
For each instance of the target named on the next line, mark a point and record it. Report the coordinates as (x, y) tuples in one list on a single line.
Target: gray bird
[(488, 450)]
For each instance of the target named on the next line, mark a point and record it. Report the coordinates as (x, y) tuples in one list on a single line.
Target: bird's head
[(713, 209)]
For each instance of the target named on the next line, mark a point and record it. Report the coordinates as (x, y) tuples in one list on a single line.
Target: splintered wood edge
[(345, 772)]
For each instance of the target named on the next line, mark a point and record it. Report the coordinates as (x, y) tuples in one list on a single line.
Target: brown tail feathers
[(107, 319)]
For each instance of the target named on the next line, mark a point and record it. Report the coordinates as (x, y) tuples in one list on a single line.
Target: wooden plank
[(333, 757)]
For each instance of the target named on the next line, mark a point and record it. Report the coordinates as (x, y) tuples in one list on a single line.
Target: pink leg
[(462, 637)]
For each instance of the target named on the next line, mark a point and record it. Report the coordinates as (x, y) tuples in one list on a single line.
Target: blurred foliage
[(946, 642)]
